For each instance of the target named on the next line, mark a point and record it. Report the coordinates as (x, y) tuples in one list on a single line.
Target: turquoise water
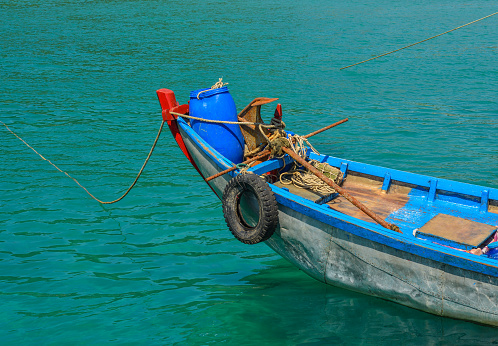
[(78, 81)]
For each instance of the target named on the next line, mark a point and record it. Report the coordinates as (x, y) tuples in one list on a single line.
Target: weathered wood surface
[(379, 202), (458, 230)]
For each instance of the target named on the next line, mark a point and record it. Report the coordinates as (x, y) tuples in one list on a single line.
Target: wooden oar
[(341, 191), (267, 152)]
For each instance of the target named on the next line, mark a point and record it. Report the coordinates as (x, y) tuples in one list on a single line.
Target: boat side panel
[(418, 282), (207, 165), (306, 245), (378, 234), (340, 258)]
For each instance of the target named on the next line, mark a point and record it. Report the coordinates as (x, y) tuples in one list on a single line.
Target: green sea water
[(78, 81)]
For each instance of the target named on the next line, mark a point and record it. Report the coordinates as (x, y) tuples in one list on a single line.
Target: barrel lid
[(209, 92)]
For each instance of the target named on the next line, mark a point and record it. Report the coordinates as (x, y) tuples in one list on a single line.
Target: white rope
[(217, 85), (297, 145)]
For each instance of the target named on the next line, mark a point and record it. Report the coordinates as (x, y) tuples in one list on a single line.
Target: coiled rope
[(304, 179), (297, 144), (76, 181), (299, 177)]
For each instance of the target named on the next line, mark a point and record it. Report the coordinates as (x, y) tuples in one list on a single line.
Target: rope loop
[(304, 179), (242, 165), (297, 144), (219, 84), (243, 168)]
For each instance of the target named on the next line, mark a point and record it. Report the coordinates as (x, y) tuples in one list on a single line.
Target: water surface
[(160, 267)]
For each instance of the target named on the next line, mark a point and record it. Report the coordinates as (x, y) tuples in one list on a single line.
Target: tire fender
[(267, 208)]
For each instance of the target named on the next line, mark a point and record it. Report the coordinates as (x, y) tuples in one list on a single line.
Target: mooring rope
[(76, 181), (413, 44)]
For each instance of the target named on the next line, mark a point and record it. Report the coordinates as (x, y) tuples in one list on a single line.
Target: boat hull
[(334, 253), (342, 259)]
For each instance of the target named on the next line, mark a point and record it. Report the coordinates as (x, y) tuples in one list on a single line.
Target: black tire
[(267, 205)]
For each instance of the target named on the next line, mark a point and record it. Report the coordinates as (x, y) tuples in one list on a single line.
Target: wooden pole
[(325, 128), (260, 156), (267, 152), (341, 191)]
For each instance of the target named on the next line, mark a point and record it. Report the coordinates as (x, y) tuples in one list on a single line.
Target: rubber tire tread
[(268, 208)]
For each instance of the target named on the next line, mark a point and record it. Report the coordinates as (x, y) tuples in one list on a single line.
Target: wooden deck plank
[(456, 229), (371, 196)]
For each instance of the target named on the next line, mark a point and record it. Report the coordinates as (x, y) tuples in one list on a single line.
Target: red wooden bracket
[(168, 103)]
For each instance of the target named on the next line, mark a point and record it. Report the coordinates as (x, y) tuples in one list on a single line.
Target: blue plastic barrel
[(217, 104)]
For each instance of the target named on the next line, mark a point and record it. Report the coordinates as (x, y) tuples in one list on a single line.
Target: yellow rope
[(306, 180), (217, 85), (297, 145), (413, 44), (76, 181)]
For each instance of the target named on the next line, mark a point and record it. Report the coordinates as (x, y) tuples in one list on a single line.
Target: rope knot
[(217, 85), (243, 167), (277, 144)]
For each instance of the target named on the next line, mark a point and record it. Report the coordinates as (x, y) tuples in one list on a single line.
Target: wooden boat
[(443, 258)]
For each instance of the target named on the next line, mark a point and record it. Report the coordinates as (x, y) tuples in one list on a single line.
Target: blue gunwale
[(371, 231), (410, 178)]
